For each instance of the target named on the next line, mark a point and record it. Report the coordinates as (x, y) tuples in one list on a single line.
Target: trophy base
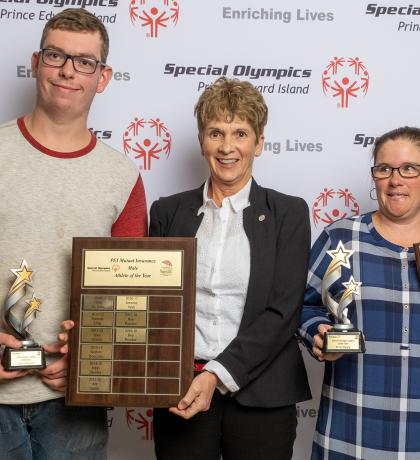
[(344, 341), (30, 356)]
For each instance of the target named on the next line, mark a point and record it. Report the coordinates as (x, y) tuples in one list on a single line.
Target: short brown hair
[(78, 20), (230, 98), (408, 133)]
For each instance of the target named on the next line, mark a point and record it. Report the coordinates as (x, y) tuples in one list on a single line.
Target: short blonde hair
[(229, 98), (78, 20)]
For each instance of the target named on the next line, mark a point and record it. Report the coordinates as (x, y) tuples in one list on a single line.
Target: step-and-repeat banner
[(334, 74)]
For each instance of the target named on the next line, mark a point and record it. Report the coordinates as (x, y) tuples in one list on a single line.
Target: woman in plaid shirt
[(370, 403)]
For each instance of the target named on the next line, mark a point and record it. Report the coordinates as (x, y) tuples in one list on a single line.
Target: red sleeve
[(133, 219)]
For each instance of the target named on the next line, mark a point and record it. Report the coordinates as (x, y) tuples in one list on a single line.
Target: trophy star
[(340, 257), (23, 274), (352, 286), (34, 305)]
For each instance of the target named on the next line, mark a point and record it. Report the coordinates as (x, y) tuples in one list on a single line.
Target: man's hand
[(11, 342), (198, 397), (319, 342), (55, 374)]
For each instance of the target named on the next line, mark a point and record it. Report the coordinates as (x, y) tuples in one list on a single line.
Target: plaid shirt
[(370, 403)]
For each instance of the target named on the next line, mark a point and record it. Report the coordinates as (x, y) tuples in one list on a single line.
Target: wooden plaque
[(133, 304), (417, 250)]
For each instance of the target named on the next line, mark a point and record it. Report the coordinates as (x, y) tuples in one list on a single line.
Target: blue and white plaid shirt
[(370, 403)]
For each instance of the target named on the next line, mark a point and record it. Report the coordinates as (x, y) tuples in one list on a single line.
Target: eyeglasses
[(82, 64), (406, 170)]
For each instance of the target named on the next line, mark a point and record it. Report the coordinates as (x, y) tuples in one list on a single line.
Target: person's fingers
[(58, 384), (10, 375), (57, 367), (188, 398), (9, 341), (322, 328), (67, 325), (196, 406)]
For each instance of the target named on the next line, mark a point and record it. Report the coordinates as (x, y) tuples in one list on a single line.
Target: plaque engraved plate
[(133, 302), (97, 318), (130, 335), (95, 384), (92, 367), (88, 351), (131, 318), (96, 334), (131, 268), (98, 302)]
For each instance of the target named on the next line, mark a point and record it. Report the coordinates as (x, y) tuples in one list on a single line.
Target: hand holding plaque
[(343, 337), (20, 309)]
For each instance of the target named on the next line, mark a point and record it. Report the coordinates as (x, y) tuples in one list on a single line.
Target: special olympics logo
[(142, 420), (331, 205), (154, 14), (166, 268), (144, 140), (345, 78)]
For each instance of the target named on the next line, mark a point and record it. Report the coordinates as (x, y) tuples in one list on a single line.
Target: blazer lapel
[(256, 218), (187, 221)]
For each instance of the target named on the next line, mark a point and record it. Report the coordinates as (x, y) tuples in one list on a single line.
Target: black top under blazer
[(264, 358)]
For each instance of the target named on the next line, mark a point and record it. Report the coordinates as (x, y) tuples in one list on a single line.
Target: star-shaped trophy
[(343, 337), (20, 309)]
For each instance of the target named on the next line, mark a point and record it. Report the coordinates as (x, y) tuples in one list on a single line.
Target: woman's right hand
[(318, 344)]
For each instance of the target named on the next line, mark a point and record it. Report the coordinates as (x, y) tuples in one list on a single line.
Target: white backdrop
[(334, 75)]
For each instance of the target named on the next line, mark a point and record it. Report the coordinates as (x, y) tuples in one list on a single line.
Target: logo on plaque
[(166, 268), (20, 309)]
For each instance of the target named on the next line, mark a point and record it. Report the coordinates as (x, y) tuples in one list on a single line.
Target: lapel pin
[(261, 217)]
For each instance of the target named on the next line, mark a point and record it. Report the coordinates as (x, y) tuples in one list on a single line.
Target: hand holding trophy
[(343, 337), (20, 308)]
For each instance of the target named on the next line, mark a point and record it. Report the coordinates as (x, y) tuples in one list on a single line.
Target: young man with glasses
[(58, 181)]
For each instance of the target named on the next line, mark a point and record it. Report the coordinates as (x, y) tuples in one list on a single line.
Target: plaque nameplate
[(92, 367), (344, 341)]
